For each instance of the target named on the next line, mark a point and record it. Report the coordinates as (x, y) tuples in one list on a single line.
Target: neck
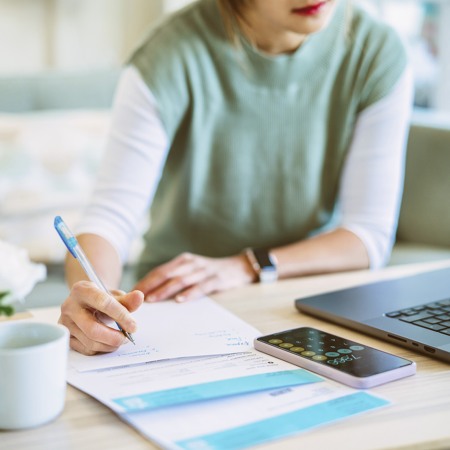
[(268, 39)]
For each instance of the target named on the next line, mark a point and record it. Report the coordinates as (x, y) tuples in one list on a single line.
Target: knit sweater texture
[(257, 142)]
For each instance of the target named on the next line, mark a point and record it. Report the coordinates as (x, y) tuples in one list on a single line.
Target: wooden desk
[(419, 417)]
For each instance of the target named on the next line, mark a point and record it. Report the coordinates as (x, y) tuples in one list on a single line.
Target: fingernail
[(150, 298), (180, 298)]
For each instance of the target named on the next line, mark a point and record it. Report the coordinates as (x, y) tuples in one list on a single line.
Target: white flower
[(18, 274)]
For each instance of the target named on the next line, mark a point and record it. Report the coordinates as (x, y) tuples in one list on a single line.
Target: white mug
[(33, 365)]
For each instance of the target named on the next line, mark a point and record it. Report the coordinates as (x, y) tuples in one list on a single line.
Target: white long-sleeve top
[(137, 147)]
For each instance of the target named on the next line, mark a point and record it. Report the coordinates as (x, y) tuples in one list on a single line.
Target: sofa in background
[(58, 91), (52, 135), (424, 224)]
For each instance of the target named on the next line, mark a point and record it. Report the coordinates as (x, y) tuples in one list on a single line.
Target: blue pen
[(75, 248)]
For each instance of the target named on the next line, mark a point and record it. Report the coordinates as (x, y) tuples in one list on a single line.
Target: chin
[(314, 18)]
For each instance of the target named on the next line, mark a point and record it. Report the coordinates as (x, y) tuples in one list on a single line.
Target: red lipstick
[(311, 10)]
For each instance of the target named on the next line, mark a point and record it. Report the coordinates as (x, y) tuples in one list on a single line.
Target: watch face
[(268, 274)]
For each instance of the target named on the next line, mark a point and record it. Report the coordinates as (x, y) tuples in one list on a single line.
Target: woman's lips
[(311, 10)]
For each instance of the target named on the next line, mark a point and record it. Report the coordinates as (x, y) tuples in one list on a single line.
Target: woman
[(246, 124)]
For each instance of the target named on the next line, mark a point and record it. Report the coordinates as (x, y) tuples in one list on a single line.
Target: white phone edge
[(334, 374)]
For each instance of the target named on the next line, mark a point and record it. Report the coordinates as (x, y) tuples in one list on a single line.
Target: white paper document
[(169, 330), (194, 382), (185, 380), (239, 422)]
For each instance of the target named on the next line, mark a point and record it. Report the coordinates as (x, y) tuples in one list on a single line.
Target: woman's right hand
[(80, 311)]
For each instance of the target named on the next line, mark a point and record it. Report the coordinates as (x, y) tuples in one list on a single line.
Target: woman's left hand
[(190, 276)]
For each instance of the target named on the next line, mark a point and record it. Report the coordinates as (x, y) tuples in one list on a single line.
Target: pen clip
[(66, 235)]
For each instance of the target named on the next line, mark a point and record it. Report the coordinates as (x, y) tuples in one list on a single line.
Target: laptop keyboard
[(434, 316)]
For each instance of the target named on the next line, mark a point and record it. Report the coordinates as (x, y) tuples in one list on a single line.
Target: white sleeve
[(135, 155), (372, 181)]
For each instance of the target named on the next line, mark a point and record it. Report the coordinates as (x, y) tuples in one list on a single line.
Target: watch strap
[(263, 263)]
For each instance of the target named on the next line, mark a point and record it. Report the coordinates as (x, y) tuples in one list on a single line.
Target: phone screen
[(342, 354)]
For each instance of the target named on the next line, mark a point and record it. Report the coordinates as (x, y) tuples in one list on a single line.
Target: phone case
[(335, 374)]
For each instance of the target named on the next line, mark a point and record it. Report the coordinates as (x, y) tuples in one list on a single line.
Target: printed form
[(240, 422), (194, 381), (185, 380)]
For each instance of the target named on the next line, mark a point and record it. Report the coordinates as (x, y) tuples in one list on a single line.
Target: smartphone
[(340, 359)]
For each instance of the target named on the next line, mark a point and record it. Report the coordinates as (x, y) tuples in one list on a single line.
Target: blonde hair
[(231, 11)]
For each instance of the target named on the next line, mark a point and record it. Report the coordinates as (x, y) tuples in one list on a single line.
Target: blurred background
[(39, 35), (423, 24), (59, 64), (77, 35)]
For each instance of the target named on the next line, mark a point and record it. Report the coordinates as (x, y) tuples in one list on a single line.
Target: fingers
[(190, 276), (76, 345), (169, 279), (88, 334), (132, 301), (174, 287), (88, 345), (177, 267), (87, 296), (199, 290)]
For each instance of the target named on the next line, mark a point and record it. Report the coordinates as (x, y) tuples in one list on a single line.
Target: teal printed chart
[(215, 389), (285, 425)]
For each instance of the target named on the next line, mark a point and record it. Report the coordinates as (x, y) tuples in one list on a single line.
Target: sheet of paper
[(236, 423), (169, 330), (184, 380)]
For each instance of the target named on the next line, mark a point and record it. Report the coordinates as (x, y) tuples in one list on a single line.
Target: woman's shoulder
[(369, 31)]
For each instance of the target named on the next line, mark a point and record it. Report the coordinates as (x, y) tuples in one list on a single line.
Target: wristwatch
[(263, 263)]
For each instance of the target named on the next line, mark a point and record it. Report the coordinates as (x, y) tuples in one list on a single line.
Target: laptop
[(412, 311)]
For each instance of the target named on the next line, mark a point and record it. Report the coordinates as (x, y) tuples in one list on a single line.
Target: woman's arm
[(135, 155), (126, 184), (370, 193), (369, 201), (88, 335)]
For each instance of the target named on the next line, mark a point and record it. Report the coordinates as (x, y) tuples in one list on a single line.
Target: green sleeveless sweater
[(257, 142)]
